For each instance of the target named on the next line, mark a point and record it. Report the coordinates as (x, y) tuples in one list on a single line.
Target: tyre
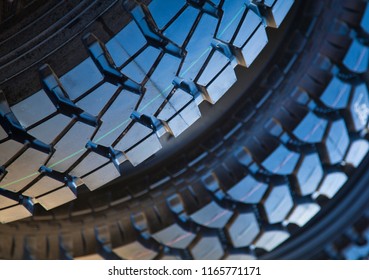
[(352, 244), (180, 130)]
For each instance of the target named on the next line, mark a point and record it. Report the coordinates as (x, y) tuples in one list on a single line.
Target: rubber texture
[(12, 8), (76, 131), (260, 186), (352, 244)]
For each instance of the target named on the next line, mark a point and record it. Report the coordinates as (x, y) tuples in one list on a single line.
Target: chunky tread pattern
[(352, 244), (163, 81), (241, 188), (304, 161)]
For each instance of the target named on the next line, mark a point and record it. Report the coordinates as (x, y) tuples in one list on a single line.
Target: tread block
[(278, 204), (273, 12), (270, 239), (254, 46), (17, 212), (337, 94), (135, 251), (158, 126), (101, 177), (278, 12), (176, 125), (72, 145), (141, 65), (188, 113), (71, 182), (104, 62), (6, 201), (49, 130), (33, 109), (357, 151), (154, 99), (26, 164), (118, 53), (331, 184), (60, 99), (56, 198), (81, 78), (230, 20), (336, 142), (8, 150), (14, 213), (70, 245), (221, 84), (198, 48), (228, 51), (179, 29), (175, 237), (212, 216), (282, 161), (104, 242), (248, 190), (309, 174), (251, 22), (122, 49), (198, 92), (303, 213), (358, 251), (311, 129), (207, 248), (243, 156), (163, 11), (357, 58), (144, 150), (359, 108), (116, 119), (217, 62), (249, 25), (140, 223), (145, 22), (137, 134), (44, 185), (162, 77), (70, 94), (115, 156), (175, 203), (91, 162), (243, 230), (11, 125), (96, 100)]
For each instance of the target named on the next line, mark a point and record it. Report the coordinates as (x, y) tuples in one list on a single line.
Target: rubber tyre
[(287, 147)]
